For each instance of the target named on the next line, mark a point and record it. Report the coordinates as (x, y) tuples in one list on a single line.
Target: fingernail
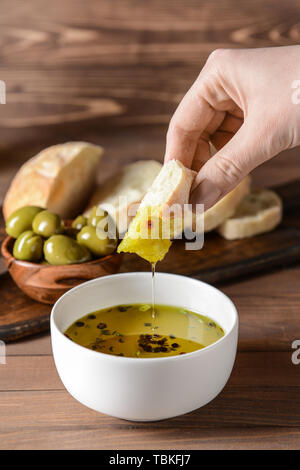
[(206, 193)]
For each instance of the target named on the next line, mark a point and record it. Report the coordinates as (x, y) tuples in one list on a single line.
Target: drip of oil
[(153, 288)]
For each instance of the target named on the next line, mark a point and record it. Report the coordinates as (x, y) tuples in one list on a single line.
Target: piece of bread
[(259, 212), (149, 233), (226, 207), (123, 190), (60, 178)]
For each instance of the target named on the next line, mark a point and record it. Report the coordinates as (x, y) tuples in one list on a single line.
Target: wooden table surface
[(112, 72)]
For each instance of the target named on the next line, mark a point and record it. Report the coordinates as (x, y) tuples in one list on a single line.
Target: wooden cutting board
[(219, 261)]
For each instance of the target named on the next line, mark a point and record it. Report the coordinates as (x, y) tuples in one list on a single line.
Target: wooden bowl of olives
[(46, 256)]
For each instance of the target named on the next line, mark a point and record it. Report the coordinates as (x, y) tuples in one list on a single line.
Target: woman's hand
[(242, 103)]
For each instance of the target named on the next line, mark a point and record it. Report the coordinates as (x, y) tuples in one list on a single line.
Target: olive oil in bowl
[(132, 331)]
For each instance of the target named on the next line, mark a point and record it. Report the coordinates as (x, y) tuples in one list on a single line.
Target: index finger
[(186, 126)]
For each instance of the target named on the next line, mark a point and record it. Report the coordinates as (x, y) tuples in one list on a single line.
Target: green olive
[(28, 247), (47, 223), (96, 215), (79, 222), (21, 220), (60, 249), (96, 240)]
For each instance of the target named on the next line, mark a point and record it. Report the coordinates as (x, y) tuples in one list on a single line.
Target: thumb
[(222, 172)]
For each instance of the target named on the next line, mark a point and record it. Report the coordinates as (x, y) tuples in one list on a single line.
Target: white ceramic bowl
[(144, 389)]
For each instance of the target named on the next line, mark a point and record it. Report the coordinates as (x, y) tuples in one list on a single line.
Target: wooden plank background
[(112, 72)]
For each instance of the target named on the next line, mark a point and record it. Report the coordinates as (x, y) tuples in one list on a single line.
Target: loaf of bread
[(125, 188), (60, 178)]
